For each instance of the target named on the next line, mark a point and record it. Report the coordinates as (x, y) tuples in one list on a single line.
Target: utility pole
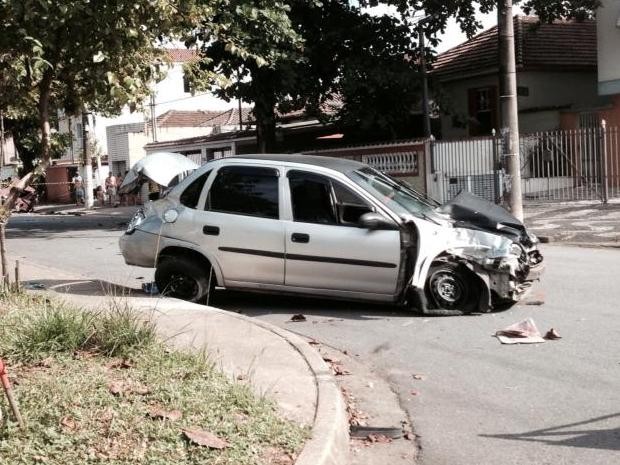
[(425, 102), (87, 173), (1, 142), (509, 124), (153, 118)]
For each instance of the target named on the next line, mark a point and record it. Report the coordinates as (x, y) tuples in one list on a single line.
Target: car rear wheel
[(184, 278), (452, 287)]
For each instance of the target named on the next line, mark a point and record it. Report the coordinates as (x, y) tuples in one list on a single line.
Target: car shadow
[(83, 287), (255, 304), (245, 303), (572, 435)]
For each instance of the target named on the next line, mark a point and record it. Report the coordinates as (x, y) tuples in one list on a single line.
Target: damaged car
[(333, 228)]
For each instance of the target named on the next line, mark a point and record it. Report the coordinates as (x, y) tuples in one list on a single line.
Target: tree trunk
[(265, 132), (264, 112), (3, 258), (44, 117)]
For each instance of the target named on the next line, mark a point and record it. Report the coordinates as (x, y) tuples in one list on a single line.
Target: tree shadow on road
[(572, 435)]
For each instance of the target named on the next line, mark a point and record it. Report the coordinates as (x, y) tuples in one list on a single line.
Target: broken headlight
[(137, 218)]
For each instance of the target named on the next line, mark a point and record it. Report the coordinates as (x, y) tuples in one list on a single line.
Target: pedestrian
[(78, 186), (110, 188), (122, 197)]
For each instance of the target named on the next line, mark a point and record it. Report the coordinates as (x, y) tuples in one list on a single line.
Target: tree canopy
[(368, 64)]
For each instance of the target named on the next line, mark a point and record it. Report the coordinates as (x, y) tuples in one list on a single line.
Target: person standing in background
[(110, 188)]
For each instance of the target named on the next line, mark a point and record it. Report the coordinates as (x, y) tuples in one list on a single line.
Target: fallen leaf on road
[(419, 377), (339, 370), (205, 438), (314, 342), (552, 335), (160, 413), (409, 436), (298, 317), (415, 393)]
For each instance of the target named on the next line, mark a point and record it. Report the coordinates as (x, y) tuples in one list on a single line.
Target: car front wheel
[(451, 287), (183, 278)]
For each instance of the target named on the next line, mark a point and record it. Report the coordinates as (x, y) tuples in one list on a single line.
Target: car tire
[(184, 278), (452, 287)]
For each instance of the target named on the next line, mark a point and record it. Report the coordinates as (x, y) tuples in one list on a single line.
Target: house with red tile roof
[(556, 74)]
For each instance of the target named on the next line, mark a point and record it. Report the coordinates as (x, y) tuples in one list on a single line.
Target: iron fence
[(581, 164)]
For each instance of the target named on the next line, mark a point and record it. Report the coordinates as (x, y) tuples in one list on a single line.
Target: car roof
[(342, 165)]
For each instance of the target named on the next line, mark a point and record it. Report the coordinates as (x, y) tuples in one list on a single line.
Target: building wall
[(545, 91), (608, 36), (58, 190), (170, 95)]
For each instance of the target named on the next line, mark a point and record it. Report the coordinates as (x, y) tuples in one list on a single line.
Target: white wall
[(546, 89), (608, 36), (170, 96)]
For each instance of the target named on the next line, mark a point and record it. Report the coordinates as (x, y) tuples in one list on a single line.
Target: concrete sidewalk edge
[(329, 443)]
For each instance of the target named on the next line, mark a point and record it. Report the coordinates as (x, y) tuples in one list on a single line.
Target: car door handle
[(211, 230), (301, 238)]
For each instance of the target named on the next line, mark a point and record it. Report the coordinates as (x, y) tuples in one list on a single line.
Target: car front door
[(241, 224), (325, 247)]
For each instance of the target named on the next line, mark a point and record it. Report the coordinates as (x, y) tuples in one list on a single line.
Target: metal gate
[(470, 164), (563, 165)]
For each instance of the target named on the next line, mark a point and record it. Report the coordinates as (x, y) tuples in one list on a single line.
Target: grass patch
[(88, 385)]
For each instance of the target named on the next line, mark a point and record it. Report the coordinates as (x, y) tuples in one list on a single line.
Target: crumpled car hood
[(160, 167), (470, 211)]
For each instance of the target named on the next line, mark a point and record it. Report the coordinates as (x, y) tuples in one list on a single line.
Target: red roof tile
[(561, 45), (197, 118)]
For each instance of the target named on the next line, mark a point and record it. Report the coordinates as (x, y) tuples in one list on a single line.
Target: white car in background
[(333, 228)]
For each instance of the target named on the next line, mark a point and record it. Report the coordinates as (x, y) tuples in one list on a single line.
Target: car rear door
[(241, 224), (325, 248)]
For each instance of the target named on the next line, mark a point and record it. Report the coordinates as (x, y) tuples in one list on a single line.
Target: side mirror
[(376, 221)]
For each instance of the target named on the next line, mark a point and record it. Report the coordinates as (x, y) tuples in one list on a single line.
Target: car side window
[(245, 190), (191, 194), (321, 200), (311, 198), (349, 206)]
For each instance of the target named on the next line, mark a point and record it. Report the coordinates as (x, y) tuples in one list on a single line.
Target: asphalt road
[(479, 402)]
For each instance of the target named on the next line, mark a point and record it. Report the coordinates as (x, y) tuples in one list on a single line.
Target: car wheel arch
[(186, 252)]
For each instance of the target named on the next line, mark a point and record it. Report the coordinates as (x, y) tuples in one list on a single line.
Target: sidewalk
[(578, 223), (275, 362)]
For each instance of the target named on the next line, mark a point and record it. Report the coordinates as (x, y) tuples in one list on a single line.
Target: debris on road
[(34, 286), (297, 318), (355, 415), (205, 438), (419, 377), (552, 335), (524, 332), (150, 288)]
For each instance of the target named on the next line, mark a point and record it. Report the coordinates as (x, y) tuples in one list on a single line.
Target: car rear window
[(245, 190), (191, 194)]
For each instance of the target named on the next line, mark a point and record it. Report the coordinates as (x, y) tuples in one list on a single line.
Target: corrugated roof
[(181, 55), (562, 45)]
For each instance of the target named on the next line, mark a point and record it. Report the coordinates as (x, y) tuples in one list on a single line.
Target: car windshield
[(394, 194)]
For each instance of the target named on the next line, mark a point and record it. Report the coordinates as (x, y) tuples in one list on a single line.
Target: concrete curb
[(329, 444)]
